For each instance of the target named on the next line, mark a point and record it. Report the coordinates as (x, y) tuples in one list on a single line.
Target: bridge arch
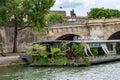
[(67, 37), (114, 36)]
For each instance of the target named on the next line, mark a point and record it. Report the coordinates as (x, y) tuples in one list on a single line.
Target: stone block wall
[(25, 37)]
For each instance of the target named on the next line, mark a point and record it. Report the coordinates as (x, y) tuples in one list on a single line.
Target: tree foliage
[(54, 18), (3, 15), (38, 11), (101, 12), (24, 13)]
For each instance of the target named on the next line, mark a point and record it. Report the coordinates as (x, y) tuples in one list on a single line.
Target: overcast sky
[(81, 7)]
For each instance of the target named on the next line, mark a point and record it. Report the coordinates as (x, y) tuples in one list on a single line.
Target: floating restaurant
[(74, 53)]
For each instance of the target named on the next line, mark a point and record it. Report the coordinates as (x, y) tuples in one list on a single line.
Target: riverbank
[(15, 59), (11, 60)]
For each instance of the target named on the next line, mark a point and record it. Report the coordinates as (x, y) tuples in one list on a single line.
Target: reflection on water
[(98, 72)]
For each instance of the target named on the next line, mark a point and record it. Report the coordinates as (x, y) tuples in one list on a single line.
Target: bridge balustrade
[(83, 22)]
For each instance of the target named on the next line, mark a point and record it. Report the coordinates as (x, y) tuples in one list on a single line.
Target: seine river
[(109, 71)]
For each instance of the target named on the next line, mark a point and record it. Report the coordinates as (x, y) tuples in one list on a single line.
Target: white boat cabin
[(108, 47)]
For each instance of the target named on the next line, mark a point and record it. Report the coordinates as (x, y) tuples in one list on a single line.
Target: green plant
[(54, 18), (36, 48), (87, 61), (45, 54), (60, 60), (40, 60), (55, 51), (64, 47), (38, 51), (78, 50), (43, 61), (35, 58), (94, 51)]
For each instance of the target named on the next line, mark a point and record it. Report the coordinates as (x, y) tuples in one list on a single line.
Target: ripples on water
[(98, 72)]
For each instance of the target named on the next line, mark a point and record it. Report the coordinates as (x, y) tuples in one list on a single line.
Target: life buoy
[(52, 60)]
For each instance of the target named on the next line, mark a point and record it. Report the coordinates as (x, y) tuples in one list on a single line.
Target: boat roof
[(78, 41)]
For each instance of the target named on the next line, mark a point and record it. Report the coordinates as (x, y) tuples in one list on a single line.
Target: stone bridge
[(97, 28)]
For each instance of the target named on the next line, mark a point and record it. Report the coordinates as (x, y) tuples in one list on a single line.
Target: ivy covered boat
[(74, 53)]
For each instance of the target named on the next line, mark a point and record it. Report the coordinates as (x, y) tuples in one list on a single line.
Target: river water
[(109, 71)]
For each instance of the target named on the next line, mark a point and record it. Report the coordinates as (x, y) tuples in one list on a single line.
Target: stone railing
[(82, 22), (104, 20), (68, 23)]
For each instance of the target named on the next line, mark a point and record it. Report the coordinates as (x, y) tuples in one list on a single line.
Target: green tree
[(25, 13), (3, 14), (54, 18), (38, 12), (101, 12)]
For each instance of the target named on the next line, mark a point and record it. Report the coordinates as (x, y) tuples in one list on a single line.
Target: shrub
[(55, 51), (45, 54), (60, 60), (54, 18), (94, 51), (78, 50), (64, 46), (36, 48), (87, 61)]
